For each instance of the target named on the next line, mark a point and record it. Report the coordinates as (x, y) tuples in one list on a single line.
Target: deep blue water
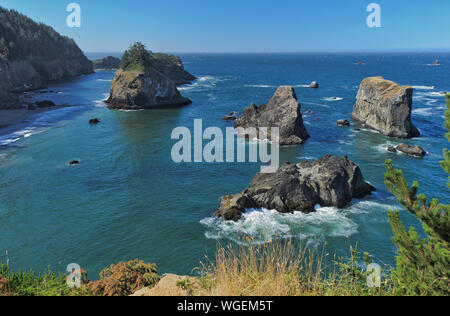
[(127, 199)]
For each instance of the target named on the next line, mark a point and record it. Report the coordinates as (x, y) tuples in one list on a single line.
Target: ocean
[(128, 199)]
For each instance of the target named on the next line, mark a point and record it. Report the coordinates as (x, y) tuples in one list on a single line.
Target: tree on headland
[(423, 265)]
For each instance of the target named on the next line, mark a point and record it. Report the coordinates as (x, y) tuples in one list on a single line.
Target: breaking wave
[(260, 224)]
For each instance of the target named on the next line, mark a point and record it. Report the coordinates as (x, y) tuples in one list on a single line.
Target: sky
[(248, 25)]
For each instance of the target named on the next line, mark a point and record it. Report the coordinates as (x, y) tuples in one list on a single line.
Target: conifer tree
[(423, 265)]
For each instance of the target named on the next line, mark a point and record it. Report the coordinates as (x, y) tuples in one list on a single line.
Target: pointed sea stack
[(284, 111)]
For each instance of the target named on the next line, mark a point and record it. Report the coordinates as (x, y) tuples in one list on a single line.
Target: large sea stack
[(385, 106), (284, 111), (329, 181), (33, 54), (139, 83)]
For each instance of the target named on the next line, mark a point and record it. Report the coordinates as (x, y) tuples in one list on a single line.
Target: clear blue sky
[(248, 25)]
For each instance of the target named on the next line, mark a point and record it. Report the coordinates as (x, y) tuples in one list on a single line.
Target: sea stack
[(331, 181), (385, 106), (139, 85), (284, 111), (107, 63)]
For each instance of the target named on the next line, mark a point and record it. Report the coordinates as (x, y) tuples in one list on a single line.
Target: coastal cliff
[(33, 54), (385, 106), (139, 84)]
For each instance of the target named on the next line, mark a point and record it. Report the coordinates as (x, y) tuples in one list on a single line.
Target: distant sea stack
[(139, 84), (385, 106), (107, 63), (284, 111), (32, 54)]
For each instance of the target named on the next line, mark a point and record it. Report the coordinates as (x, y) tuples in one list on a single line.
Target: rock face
[(171, 285), (343, 123), (314, 85), (135, 90), (45, 104), (107, 63), (329, 181), (386, 107), (283, 111), (415, 151), (172, 67), (33, 54)]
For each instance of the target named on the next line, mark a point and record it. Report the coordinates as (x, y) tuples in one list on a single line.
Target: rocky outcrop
[(172, 67), (314, 85), (146, 89), (45, 104), (107, 63), (414, 151), (386, 107), (343, 123), (284, 111), (172, 285), (329, 181), (33, 54), (230, 117)]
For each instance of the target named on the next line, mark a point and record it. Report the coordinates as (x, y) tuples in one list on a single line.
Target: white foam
[(325, 222), (423, 87), (333, 99), (104, 80), (202, 83), (383, 148), (302, 86), (423, 111), (259, 86)]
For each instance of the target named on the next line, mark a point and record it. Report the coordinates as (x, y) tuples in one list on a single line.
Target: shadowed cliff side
[(32, 54)]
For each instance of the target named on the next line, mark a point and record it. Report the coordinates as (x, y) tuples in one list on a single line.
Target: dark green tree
[(137, 57), (423, 265)]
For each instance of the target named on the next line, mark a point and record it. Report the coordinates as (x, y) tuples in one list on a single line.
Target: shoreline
[(13, 120)]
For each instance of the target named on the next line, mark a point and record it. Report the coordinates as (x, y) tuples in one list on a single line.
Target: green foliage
[(22, 39), (423, 265), (30, 284), (136, 58)]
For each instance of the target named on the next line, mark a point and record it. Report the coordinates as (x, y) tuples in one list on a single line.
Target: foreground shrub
[(125, 278), (423, 265)]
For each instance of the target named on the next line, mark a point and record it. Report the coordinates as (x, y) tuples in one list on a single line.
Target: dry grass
[(280, 268)]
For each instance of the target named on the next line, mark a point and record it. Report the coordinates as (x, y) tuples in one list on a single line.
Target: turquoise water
[(127, 199)]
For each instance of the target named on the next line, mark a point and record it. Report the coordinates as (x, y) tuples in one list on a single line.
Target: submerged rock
[(230, 117), (74, 163), (283, 111), (415, 151), (143, 89), (329, 182), (386, 107), (45, 104), (314, 85), (344, 123), (94, 121), (392, 149)]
